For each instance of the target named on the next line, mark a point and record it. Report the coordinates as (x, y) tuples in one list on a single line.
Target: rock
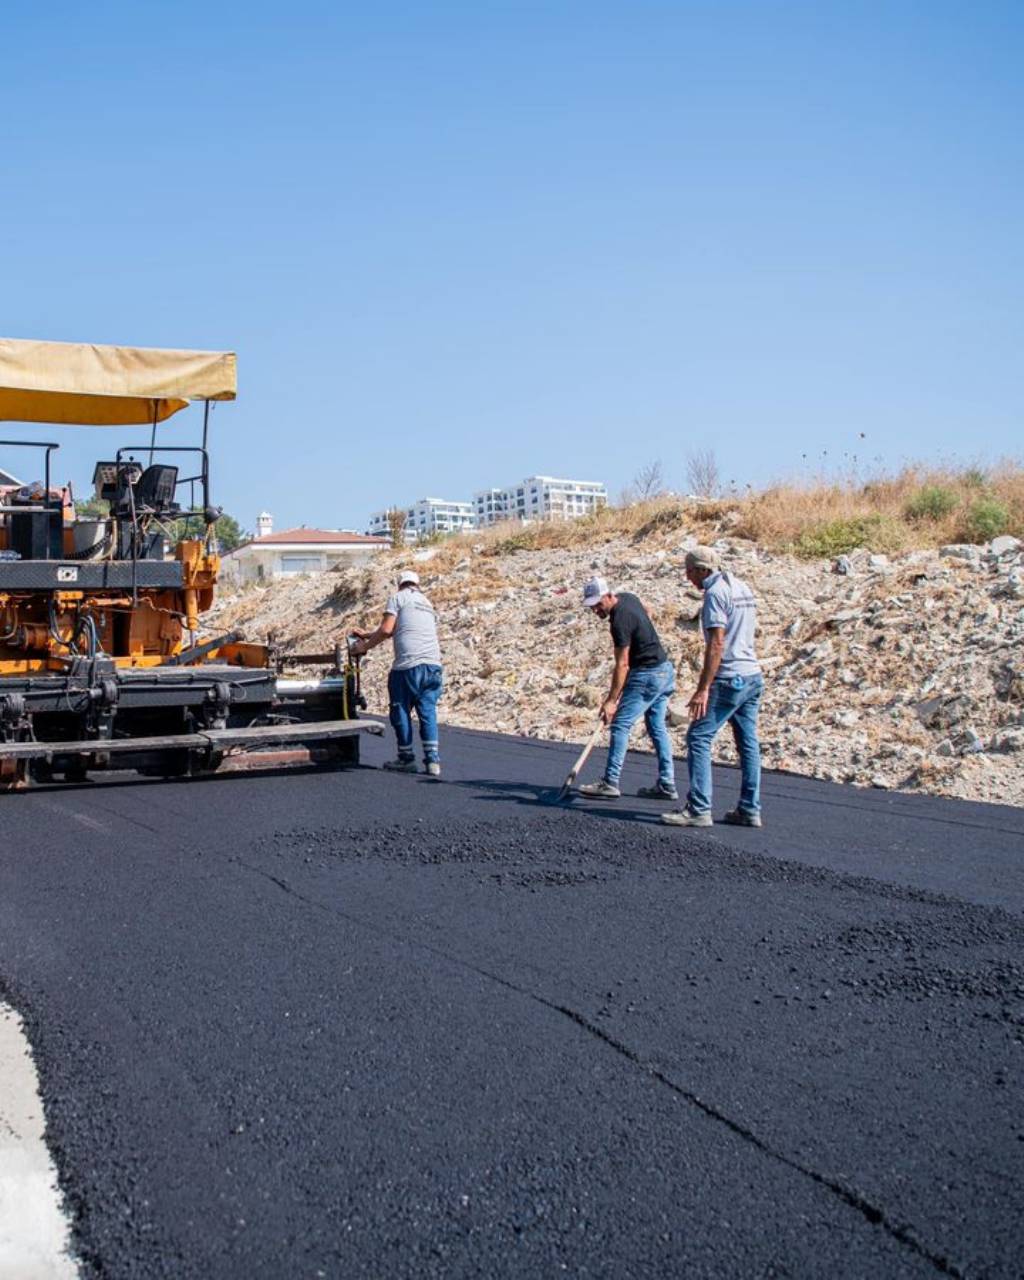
[(1004, 545), (968, 742), (586, 695), (847, 615), (1014, 585), (845, 719), (960, 551), (1009, 740), (842, 565), (677, 717), (878, 562)]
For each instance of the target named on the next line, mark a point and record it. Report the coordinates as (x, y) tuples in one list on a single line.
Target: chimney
[(264, 524)]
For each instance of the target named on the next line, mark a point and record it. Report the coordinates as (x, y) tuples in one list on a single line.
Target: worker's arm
[(712, 661), (619, 674), (371, 639)]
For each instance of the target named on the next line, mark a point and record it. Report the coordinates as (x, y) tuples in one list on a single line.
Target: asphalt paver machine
[(103, 663)]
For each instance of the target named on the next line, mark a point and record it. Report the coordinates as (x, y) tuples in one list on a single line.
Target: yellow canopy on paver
[(79, 383)]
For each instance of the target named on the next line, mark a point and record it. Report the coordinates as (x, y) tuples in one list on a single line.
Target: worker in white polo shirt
[(728, 692)]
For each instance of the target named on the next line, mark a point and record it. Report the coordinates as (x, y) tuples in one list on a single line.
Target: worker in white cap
[(728, 691), (416, 677), (643, 680)]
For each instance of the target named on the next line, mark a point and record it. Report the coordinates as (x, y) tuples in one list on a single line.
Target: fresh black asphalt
[(353, 1024)]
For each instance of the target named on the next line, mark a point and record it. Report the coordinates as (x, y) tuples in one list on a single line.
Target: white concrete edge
[(35, 1233)]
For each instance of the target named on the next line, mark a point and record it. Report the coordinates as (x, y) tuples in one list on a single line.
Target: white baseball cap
[(408, 576), (594, 591)]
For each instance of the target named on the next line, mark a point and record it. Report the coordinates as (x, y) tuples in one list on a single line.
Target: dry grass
[(916, 508)]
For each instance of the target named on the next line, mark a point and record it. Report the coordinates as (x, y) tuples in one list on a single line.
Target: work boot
[(602, 790), (433, 768), (742, 818), (402, 765), (687, 818), (660, 791)]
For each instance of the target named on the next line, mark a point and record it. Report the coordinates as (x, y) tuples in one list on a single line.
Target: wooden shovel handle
[(581, 759)]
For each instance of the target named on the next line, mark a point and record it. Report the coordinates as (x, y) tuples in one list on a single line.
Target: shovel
[(581, 760)]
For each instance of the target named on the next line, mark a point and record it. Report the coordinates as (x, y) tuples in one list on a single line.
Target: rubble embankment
[(904, 672)]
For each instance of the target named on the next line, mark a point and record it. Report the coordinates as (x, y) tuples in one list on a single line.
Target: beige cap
[(702, 558)]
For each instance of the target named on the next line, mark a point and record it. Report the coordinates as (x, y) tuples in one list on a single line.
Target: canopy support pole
[(152, 435)]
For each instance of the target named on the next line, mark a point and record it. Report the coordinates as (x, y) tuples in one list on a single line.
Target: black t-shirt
[(631, 628)]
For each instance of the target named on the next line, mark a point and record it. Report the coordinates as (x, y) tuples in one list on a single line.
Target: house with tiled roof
[(293, 551)]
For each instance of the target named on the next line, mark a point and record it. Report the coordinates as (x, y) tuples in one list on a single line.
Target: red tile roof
[(328, 537)]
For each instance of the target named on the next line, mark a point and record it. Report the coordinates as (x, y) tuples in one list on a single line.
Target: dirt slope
[(903, 672)]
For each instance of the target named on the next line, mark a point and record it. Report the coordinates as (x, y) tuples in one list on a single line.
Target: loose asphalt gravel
[(364, 1025)]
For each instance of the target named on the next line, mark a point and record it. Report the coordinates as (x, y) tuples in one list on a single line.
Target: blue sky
[(457, 243)]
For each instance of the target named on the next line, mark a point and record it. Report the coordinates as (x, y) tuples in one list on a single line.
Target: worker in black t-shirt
[(642, 683)]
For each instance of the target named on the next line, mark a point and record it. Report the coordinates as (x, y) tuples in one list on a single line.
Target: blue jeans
[(736, 702), (646, 693), (415, 688)]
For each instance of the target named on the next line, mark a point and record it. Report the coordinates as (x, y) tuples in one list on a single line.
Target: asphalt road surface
[(356, 1024)]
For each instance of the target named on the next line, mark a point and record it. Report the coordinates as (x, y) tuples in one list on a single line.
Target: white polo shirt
[(729, 603)]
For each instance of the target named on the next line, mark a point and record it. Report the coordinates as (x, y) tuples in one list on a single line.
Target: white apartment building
[(540, 498), (491, 506), (535, 498), (426, 517)]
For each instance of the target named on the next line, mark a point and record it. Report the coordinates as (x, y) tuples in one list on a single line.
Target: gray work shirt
[(415, 634), (729, 603)]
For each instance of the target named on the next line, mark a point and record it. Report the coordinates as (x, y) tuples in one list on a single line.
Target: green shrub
[(986, 519), (522, 540), (932, 502), (975, 478), (836, 537)]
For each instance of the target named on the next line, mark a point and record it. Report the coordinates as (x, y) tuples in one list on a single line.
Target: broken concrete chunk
[(969, 742), (1014, 585), (847, 615)]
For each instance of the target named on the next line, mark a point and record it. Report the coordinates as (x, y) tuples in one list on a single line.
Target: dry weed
[(916, 508)]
